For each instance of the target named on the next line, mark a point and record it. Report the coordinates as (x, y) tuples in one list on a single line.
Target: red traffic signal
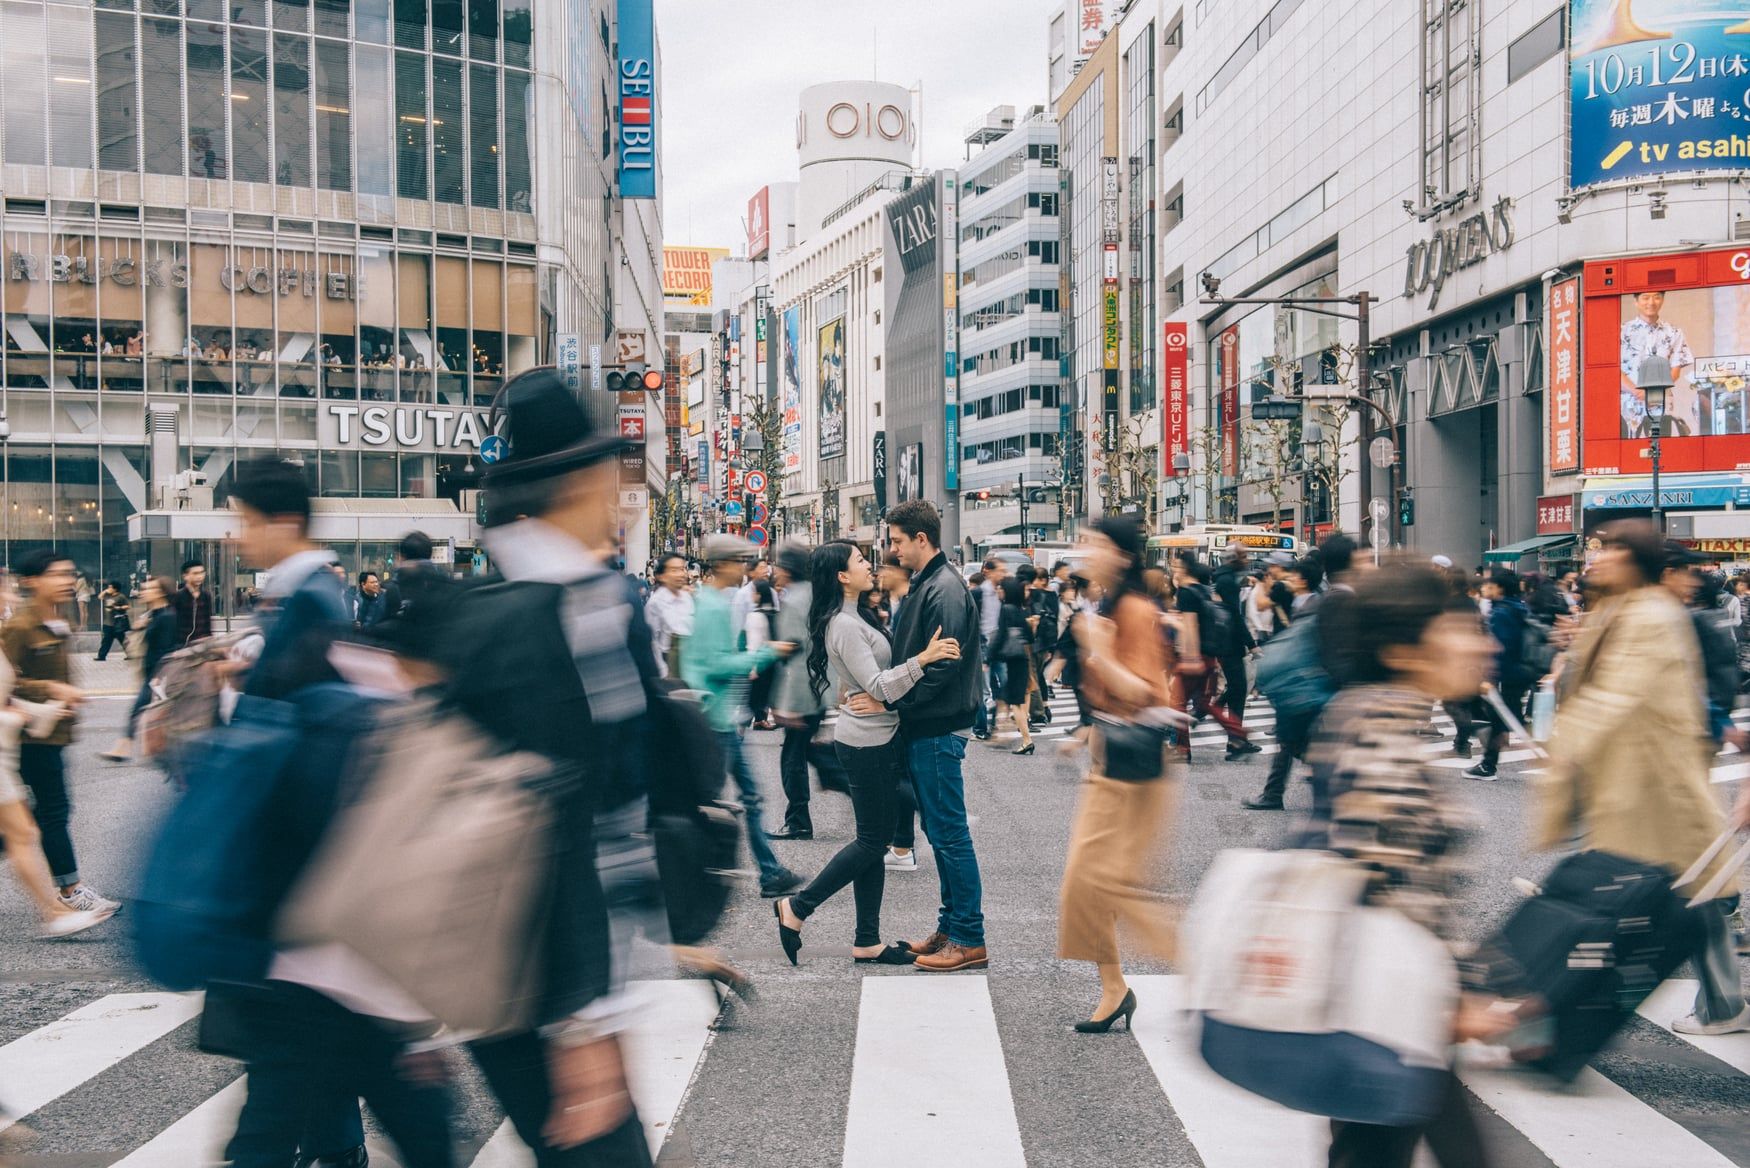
[(653, 379)]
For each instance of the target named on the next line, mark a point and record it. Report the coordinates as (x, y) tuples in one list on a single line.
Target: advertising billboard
[(759, 224), (792, 391), (1175, 359), (1229, 358), (686, 273), (1563, 380), (1655, 89), (831, 357), (1693, 309), (911, 472), (638, 114)]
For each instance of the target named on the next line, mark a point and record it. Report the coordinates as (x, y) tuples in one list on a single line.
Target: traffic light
[(978, 496), (631, 378), (1406, 509)]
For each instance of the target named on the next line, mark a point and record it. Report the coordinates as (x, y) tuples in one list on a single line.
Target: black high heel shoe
[(1027, 749), (790, 939), (1101, 1025)]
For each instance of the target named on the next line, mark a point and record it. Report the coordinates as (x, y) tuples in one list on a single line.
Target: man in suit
[(541, 659)]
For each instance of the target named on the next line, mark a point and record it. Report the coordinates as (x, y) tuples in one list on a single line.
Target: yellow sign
[(1111, 326), (686, 273), (1721, 547)]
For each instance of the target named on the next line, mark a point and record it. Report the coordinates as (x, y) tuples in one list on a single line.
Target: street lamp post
[(1182, 471), (1654, 382)]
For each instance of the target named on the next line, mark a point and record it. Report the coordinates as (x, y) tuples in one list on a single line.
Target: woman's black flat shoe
[(1101, 1025), (900, 954), (790, 939)]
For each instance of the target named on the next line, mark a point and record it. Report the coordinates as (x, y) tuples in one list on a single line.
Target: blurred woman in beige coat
[(1630, 755)]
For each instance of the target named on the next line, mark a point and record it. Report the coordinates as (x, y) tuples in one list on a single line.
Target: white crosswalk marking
[(1593, 1123), (959, 1101), (1676, 999), (49, 1062), (1229, 1126), (195, 1140)]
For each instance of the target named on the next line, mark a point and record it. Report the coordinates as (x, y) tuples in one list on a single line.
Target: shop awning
[(1537, 545)]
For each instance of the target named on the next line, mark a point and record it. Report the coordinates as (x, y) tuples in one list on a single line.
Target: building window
[(24, 83), (206, 101), (518, 180), (1451, 104), (519, 33), (331, 18), (410, 19), (118, 138), (1541, 42), (446, 27), (70, 96), (291, 15), (291, 125), (333, 117), (483, 29), (483, 150), (449, 157), (412, 141), (250, 98)]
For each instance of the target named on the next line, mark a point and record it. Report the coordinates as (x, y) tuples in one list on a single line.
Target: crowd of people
[(585, 717)]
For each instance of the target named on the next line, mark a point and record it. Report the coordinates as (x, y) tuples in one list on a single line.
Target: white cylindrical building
[(848, 134)]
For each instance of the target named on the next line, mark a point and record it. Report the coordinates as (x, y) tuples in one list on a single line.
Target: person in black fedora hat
[(544, 659)]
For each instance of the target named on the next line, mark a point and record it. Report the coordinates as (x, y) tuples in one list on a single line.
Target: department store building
[(320, 231)]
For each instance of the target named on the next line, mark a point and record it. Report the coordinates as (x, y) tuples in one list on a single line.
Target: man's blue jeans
[(749, 793), (941, 794)]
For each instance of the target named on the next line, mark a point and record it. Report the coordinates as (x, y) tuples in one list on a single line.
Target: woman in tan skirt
[(1131, 781)]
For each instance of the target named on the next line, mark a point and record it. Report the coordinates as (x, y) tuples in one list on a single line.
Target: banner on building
[(759, 224), (686, 273), (1109, 327), (638, 100), (1656, 89), (1563, 393), (792, 391), (879, 471), (830, 358), (1555, 514), (911, 472), (1228, 360), (1175, 363)]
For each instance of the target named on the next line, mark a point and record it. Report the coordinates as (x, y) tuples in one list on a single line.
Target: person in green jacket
[(714, 663)]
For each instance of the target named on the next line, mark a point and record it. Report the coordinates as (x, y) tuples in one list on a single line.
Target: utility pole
[(1021, 497)]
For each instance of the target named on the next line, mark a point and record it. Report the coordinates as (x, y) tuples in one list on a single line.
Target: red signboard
[(1555, 514), (759, 224), (1175, 358), (1563, 382), (1229, 359), (1693, 309)]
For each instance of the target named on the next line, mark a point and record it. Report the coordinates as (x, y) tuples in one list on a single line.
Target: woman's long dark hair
[(828, 596), (1128, 535)]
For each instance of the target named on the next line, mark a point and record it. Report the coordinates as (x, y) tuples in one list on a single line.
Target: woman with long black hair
[(1128, 795), (848, 645)]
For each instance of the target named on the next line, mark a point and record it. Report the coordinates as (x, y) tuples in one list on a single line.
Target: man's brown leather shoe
[(934, 943), (951, 957)]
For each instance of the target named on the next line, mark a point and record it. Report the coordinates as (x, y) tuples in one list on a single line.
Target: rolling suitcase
[(1600, 936)]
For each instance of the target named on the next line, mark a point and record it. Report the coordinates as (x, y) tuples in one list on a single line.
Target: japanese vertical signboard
[(1092, 28), (1656, 89), (792, 390), (879, 471), (949, 228), (1228, 358), (1563, 392), (1175, 358)]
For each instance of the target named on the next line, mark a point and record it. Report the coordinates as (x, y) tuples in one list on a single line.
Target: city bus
[(1210, 542)]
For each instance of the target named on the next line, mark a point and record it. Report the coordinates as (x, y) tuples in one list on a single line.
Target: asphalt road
[(840, 1064)]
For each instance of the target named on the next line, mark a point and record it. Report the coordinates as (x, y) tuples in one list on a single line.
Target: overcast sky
[(732, 71)]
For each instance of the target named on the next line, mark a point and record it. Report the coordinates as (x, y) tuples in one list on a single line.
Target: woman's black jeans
[(874, 773)]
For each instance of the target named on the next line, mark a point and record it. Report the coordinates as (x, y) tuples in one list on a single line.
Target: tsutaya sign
[(1468, 242), (403, 427)]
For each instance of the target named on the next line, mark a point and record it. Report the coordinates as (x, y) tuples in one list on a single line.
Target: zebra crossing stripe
[(195, 1140), (960, 1103), (54, 1059), (1229, 1126), (1675, 999), (664, 1049)]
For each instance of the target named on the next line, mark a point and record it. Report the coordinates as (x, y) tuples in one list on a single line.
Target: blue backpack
[(1290, 674), (260, 792)]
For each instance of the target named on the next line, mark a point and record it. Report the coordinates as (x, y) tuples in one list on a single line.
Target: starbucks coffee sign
[(438, 429)]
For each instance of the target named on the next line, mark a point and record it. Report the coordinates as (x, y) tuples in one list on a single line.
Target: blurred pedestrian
[(114, 604), (1012, 650), (1508, 619), (1630, 753), (713, 662), (796, 705), (669, 612), (1121, 817), (1214, 623), (369, 605), (158, 643), (1380, 802), (847, 648), (36, 642)]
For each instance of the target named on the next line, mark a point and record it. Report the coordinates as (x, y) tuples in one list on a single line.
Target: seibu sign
[(412, 428)]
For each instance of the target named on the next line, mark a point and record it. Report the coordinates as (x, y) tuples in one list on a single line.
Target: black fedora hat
[(548, 430)]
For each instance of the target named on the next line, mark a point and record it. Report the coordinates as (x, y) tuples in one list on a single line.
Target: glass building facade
[(322, 229)]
